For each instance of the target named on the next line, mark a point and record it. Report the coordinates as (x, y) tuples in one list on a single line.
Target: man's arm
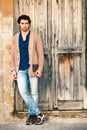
[(40, 56)]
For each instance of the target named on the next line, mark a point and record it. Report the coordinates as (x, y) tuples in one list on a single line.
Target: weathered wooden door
[(68, 53), (60, 24)]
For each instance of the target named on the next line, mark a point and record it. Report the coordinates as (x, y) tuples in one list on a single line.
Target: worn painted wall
[(6, 32)]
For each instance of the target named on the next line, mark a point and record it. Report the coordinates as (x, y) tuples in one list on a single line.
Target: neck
[(24, 32)]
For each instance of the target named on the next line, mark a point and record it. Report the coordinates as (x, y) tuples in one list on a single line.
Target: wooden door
[(60, 24), (68, 53)]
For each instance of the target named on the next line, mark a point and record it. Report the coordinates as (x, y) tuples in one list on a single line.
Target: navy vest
[(24, 54)]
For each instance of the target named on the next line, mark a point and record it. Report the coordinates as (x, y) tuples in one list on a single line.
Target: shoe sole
[(41, 122), (29, 123)]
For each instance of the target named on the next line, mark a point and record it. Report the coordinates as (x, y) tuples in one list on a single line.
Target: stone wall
[(6, 33)]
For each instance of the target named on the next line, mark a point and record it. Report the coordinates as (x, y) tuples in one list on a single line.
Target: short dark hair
[(25, 17)]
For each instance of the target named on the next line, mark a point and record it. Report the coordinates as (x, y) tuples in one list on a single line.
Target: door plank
[(68, 92), (70, 22), (70, 105), (75, 12), (79, 25), (61, 78), (55, 46), (76, 78)]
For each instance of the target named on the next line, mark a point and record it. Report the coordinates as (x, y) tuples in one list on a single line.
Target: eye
[(22, 23)]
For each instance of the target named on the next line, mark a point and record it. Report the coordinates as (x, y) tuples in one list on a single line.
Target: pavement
[(62, 120), (55, 123)]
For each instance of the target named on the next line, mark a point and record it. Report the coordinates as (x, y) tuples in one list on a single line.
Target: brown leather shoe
[(30, 120)]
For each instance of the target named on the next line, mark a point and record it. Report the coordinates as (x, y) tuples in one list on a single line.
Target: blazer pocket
[(35, 67)]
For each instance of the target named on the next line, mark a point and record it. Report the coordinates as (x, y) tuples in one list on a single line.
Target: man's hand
[(38, 73), (14, 75)]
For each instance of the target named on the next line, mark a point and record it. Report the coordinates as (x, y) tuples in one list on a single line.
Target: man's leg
[(34, 93), (23, 79)]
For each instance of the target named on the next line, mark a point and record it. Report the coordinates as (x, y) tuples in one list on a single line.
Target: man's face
[(24, 25)]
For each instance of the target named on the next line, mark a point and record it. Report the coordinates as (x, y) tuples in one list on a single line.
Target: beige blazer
[(36, 54)]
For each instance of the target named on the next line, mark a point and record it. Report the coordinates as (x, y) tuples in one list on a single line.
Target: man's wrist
[(40, 69)]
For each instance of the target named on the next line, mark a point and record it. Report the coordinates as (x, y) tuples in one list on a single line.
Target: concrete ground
[(71, 120), (51, 124)]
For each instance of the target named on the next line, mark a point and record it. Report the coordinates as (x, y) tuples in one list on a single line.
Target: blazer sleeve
[(40, 52)]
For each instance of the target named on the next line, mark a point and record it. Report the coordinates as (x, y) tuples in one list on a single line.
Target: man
[(27, 67)]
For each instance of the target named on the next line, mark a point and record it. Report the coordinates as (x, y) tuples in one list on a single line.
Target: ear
[(19, 24)]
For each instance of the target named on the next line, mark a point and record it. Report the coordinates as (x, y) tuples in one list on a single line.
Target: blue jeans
[(31, 99)]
